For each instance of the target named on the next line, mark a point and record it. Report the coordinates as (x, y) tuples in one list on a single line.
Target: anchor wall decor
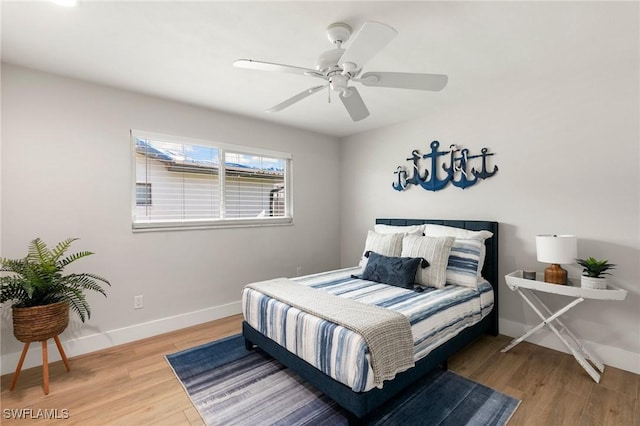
[(457, 172)]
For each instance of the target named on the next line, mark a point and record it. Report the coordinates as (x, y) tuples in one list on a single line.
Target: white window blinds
[(181, 182), (254, 186)]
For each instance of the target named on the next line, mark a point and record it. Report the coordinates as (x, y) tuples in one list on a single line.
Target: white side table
[(526, 288)]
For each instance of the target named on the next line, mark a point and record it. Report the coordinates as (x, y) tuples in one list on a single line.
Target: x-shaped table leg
[(580, 353)]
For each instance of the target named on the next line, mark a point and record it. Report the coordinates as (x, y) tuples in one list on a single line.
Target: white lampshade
[(556, 248)]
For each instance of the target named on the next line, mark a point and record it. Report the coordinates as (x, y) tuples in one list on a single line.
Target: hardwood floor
[(132, 384)]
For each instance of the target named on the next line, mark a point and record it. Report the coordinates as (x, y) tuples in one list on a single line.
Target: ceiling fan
[(340, 66)]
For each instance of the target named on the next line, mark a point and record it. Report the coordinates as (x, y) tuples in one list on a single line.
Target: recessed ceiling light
[(66, 3)]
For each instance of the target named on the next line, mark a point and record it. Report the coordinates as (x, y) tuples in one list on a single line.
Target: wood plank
[(194, 417), (133, 384), (558, 406), (608, 408), (620, 381), (570, 376), (497, 371), (476, 354), (533, 375)]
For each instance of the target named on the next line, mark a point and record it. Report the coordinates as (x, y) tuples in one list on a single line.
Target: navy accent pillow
[(396, 271), (424, 263)]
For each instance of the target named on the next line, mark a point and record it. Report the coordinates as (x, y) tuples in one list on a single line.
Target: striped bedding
[(435, 315)]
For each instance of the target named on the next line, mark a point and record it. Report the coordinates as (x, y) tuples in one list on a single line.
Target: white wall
[(66, 171), (567, 146), (563, 129)]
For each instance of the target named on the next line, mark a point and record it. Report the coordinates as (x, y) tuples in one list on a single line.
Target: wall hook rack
[(457, 171)]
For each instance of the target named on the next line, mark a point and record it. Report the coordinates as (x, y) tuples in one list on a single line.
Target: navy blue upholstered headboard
[(490, 268)]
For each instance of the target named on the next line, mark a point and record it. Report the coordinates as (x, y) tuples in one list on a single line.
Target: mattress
[(435, 315)]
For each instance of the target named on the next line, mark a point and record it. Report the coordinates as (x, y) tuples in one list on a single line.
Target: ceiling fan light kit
[(340, 66)]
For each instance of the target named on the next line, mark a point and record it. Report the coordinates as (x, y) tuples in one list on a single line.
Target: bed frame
[(360, 404)]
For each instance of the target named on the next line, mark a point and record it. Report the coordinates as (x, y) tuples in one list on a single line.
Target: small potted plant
[(593, 273), (42, 295)]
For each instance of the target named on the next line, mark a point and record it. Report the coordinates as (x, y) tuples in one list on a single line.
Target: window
[(202, 184)]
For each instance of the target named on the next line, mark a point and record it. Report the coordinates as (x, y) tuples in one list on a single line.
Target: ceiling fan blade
[(292, 100), (403, 80), (354, 104), (372, 37), (267, 66)]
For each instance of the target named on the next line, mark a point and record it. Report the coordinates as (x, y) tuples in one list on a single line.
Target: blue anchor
[(416, 179), (452, 150), (483, 174), (435, 184), (402, 179), (463, 182)]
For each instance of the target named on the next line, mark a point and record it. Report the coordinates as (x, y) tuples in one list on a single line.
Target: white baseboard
[(95, 342), (609, 355), (615, 357)]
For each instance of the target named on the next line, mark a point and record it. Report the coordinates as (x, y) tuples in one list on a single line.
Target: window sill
[(231, 223)]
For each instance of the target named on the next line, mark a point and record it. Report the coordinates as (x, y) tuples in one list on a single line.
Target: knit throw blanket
[(386, 332)]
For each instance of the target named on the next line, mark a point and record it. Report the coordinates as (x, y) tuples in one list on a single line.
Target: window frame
[(171, 225)]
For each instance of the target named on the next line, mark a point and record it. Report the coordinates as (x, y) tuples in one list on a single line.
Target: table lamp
[(556, 249)]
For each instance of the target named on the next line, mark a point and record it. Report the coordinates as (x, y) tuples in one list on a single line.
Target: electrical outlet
[(299, 271), (138, 303)]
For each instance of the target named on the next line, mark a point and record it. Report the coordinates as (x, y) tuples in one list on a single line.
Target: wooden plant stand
[(39, 324), (45, 363)]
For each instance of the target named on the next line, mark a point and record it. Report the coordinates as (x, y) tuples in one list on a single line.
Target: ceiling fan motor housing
[(329, 59)]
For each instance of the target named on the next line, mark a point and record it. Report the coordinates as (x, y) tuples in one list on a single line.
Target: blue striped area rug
[(230, 385)]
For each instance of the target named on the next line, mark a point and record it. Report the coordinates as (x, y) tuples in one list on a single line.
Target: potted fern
[(41, 294), (593, 274)]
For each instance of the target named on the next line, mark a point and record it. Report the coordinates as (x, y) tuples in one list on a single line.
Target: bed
[(357, 397)]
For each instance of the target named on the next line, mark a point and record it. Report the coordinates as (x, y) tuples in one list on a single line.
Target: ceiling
[(184, 51)]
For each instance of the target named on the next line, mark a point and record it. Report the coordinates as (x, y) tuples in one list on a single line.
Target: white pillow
[(451, 231), (384, 244), (463, 234), (436, 251), (391, 229)]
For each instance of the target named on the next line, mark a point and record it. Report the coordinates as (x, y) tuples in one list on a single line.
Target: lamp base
[(555, 274)]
